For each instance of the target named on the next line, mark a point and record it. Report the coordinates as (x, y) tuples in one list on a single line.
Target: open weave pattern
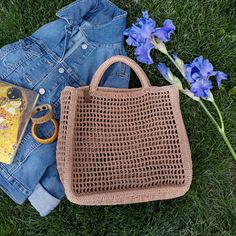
[(127, 141), (116, 149)]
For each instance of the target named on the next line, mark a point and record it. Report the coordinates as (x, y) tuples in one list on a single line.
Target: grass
[(204, 27)]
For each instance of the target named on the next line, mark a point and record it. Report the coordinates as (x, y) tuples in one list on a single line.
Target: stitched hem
[(42, 201), (12, 188)]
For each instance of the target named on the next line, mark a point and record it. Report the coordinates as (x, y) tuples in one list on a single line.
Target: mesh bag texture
[(119, 146)]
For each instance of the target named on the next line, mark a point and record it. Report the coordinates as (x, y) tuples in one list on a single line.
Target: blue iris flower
[(141, 34), (198, 72), (198, 69)]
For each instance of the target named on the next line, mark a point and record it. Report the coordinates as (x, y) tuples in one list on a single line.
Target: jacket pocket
[(15, 55)]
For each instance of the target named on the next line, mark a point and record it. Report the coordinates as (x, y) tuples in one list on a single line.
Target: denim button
[(61, 70), (42, 91), (84, 46)]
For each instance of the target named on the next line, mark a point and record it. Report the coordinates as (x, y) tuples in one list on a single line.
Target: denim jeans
[(65, 52)]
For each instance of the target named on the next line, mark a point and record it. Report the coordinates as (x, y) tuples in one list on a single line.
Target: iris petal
[(164, 33), (161, 34), (143, 53), (197, 74), (163, 70), (201, 88), (220, 76)]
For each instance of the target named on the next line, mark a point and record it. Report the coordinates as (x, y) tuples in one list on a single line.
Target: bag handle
[(128, 61)]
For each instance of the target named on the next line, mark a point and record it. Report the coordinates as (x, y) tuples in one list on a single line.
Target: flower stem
[(228, 144), (220, 115), (209, 114), (174, 62), (220, 129)]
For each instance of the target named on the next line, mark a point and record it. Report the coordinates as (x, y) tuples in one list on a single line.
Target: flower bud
[(161, 47), (190, 94)]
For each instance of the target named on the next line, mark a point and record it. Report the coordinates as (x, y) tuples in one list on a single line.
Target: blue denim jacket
[(65, 52)]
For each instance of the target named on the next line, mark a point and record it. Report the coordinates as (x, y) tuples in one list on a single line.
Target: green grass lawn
[(204, 27)]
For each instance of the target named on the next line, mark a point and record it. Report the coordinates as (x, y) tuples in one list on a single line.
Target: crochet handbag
[(120, 146)]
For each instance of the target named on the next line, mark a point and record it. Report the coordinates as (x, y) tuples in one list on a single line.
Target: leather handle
[(102, 69)]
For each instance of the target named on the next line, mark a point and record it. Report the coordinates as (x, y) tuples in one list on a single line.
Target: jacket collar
[(100, 20)]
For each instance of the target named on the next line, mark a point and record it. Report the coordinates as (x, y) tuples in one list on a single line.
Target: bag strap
[(102, 69)]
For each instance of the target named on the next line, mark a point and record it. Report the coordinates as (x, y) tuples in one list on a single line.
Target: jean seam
[(16, 66), (26, 157), (28, 191), (11, 48)]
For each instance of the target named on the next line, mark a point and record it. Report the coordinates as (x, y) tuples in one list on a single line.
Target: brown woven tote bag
[(119, 146)]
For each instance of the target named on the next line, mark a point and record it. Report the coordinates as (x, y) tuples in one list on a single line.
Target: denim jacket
[(65, 52)]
